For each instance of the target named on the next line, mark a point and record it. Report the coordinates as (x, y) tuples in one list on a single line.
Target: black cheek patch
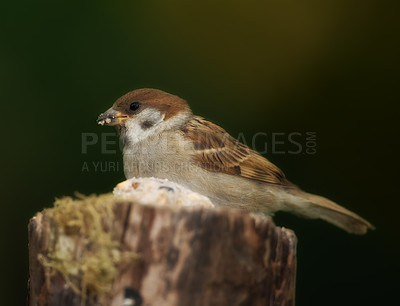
[(146, 124)]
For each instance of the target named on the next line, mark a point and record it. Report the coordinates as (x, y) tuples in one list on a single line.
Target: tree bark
[(160, 256)]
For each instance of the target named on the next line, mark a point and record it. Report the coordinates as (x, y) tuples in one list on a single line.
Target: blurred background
[(272, 67)]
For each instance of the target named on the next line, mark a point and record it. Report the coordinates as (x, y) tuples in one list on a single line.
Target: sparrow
[(162, 138)]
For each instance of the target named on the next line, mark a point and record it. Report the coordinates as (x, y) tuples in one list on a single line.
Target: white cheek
[(134, 130)]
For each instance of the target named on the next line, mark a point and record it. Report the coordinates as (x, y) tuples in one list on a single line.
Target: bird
[(162, 138)]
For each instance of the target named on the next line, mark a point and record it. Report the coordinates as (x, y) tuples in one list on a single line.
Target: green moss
[(82, 245)]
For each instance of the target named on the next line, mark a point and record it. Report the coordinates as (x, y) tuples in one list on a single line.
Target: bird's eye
[(134, 106)]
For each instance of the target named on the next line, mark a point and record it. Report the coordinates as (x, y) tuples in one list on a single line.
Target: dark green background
[(253, 66)]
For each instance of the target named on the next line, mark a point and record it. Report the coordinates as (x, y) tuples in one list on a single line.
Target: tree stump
[(105, 251)]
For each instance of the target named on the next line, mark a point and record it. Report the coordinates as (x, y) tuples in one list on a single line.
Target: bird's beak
[(111, 117)]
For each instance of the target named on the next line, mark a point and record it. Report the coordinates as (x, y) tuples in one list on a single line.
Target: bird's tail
[(313, 206)]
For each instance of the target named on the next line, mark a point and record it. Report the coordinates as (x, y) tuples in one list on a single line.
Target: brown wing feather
[(217, 151)]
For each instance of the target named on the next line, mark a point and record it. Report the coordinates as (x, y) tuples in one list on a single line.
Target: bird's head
[(142, 112)]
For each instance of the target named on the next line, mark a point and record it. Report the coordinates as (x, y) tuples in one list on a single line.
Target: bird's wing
[(217, 151)]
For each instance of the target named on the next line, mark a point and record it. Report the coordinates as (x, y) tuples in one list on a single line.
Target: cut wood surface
[(105, 251)]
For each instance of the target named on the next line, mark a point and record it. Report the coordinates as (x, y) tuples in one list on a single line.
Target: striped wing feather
[(216, 150)]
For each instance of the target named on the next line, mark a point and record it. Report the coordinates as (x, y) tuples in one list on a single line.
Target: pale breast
[(167, 156), (163, 155)]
